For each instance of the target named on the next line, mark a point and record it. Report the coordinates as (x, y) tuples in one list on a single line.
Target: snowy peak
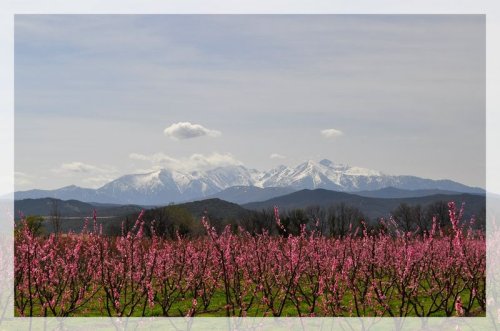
[(348, 170), (136, 181), (225, 177), (323, 174)]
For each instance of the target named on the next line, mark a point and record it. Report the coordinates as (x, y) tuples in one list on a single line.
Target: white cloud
[(91, 175), (277, 156), (22, 179), (331, 133), (213, 160), (98, 180), (156, 158), (187, 130), (193, 162), (72, 168), (76, 167)]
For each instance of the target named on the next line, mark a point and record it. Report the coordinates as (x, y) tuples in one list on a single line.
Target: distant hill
[(70, 208), (371, 207), (247, 194), (394, 193), (73, 213), (71, 192), (217, 209)]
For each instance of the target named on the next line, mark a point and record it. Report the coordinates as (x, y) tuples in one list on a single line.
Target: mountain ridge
[(172, 186), (370, 206)]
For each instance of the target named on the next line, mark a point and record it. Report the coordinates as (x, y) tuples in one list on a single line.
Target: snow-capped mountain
[(310, 174), (328, 175), (166, 186)]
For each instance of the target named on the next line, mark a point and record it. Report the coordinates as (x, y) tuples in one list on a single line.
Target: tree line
[(336, 220)]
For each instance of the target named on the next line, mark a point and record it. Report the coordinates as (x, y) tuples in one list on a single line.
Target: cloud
[(277, 156), (79, 168), (76, 167), (157, 160), (153, 158), (331, 133), (213, 160), (193, 162), (22, 179), (93, 176), (98, 180), (187, 130)]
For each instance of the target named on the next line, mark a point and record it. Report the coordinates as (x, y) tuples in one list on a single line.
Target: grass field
[(217, 303)]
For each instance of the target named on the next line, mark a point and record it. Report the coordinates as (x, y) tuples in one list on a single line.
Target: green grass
[(216, 308)]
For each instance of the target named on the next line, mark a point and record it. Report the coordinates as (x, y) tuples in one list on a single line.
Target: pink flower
[(458, 307)]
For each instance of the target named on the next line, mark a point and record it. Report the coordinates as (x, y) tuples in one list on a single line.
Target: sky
[(99, 96)]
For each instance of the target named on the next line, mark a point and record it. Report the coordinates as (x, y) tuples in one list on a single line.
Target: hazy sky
[(100, 96)]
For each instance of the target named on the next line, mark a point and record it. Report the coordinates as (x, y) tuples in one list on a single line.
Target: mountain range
[(242, 185)]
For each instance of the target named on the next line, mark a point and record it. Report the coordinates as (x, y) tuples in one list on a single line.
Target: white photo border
[(9, 9)]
